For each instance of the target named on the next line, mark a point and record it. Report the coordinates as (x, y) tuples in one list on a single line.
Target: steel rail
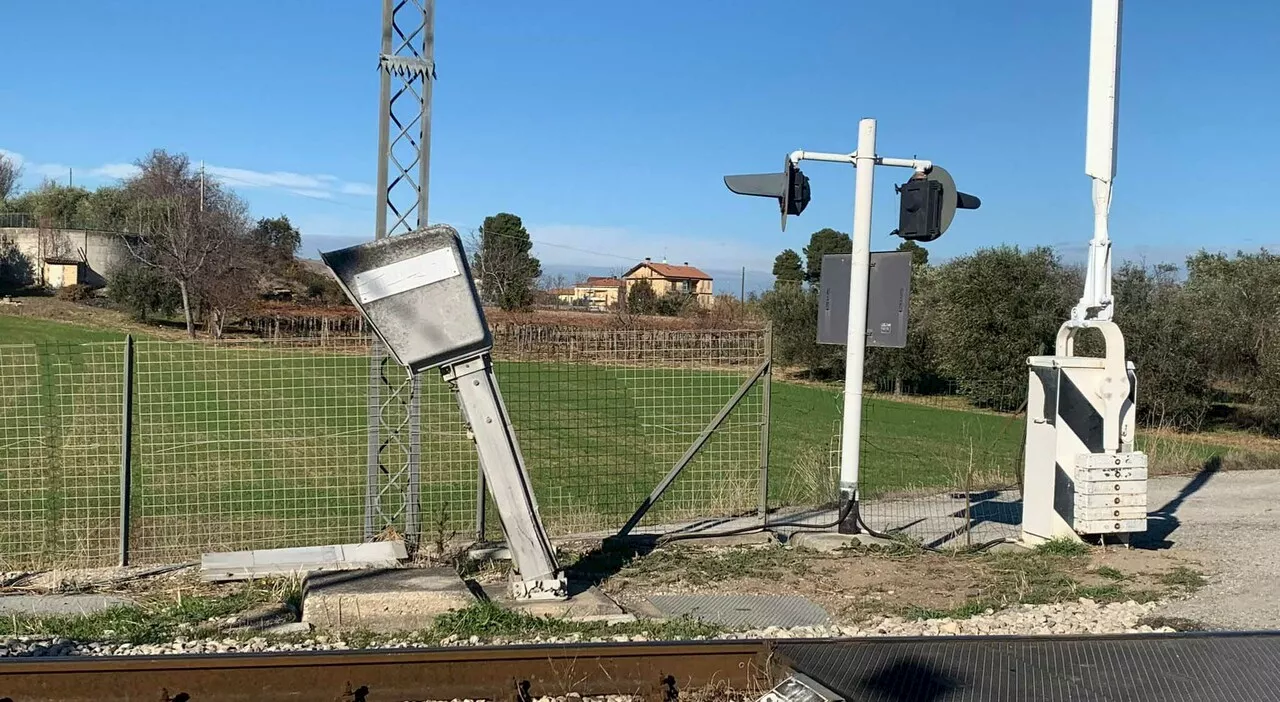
[(655, 671)]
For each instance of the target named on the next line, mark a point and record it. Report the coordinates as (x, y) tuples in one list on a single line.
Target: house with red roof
[(667, 277)]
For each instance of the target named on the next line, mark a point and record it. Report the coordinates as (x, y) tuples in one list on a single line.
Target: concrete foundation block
[(829, 541), (401, 599), (584, 605), (59, 605)]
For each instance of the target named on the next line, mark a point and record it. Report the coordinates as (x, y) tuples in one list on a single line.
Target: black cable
[(844, 514), (805, 526), (980, 547)]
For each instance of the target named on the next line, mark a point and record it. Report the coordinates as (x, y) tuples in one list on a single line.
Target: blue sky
[(607, 126)]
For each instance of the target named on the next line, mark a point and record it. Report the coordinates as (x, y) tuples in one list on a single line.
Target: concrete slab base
[(588, 604), (247, 565), (829, 541), (58, 605), (401, 599), (1011, 547)]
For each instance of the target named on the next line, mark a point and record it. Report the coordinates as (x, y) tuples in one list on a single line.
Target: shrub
[(991, 310), (78, 292), (673, 303), (144, 291), (641, 298), (793, 311), (16, 272)]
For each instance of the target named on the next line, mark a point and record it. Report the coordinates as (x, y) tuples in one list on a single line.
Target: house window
[(682, 286)]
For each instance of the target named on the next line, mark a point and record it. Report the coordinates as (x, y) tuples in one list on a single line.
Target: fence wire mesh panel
[(247, 445), (59, 454), (244, 444), (945, 469), (603, 415)]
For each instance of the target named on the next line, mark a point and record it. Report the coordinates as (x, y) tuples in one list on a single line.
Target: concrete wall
[(100, 251)]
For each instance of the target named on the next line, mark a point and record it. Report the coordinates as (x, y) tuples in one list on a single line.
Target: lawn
[(247, 445), (30, 330)]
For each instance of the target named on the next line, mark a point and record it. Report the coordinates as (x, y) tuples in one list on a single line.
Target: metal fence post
[(481, 493), (126, 450), (372, 481), (765, 425)]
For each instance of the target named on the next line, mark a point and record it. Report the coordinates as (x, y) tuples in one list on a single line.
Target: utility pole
[(406, 65), (742, 290), (202, 185)]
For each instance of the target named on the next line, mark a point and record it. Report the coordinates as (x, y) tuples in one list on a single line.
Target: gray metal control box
[(888, 299), (417, 293)]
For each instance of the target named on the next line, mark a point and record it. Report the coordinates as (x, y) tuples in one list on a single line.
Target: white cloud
[(13, 156), (116, 171), (312, 193), (56, 171), (356, 189), (320, 185)]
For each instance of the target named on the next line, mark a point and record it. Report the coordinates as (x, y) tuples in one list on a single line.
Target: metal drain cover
[(743, 611)]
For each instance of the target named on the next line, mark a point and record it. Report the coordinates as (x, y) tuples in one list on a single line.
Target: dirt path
[(1231, 521)]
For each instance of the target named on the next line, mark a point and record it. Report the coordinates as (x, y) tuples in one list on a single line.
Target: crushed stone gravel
[(1081, 617)]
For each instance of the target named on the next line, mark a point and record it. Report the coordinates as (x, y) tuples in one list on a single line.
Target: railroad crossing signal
[(790, 188), (928, 202)]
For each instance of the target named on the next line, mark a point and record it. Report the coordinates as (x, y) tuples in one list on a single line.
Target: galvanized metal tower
[(406, 67)]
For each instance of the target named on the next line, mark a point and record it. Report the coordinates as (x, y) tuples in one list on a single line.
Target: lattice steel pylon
[(406, 67)]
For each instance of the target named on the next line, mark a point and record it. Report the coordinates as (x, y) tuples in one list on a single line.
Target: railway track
[(657, 671), (1204, 667)]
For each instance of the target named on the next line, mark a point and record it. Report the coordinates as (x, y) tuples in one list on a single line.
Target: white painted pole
[(856, 342)]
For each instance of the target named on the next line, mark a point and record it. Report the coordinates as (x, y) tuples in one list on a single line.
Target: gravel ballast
[(1081, 617)]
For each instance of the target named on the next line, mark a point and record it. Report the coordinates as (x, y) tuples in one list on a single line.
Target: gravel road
[(1230, 521)]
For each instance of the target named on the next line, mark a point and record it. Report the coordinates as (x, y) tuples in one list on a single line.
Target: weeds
[(488, 620), (441, 531), (964, 611), (1182, 577), (146, 623), (1175, 623), (1110, 573), (1063, 547), (700, 567)]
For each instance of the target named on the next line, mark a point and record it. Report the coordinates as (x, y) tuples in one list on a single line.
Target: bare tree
[(186, 223), (10, 176), (553, 282), (228, 282)]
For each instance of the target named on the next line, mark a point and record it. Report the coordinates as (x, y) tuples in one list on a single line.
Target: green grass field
[(248, 445), (30, 330)]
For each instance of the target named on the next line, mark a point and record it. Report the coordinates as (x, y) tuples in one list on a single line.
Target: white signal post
[(865, 160)]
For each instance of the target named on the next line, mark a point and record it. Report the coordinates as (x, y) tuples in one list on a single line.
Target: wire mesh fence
[(943, 464), (603, 415), (247, 445), (258, 444), (938, 468), (60, 437)]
